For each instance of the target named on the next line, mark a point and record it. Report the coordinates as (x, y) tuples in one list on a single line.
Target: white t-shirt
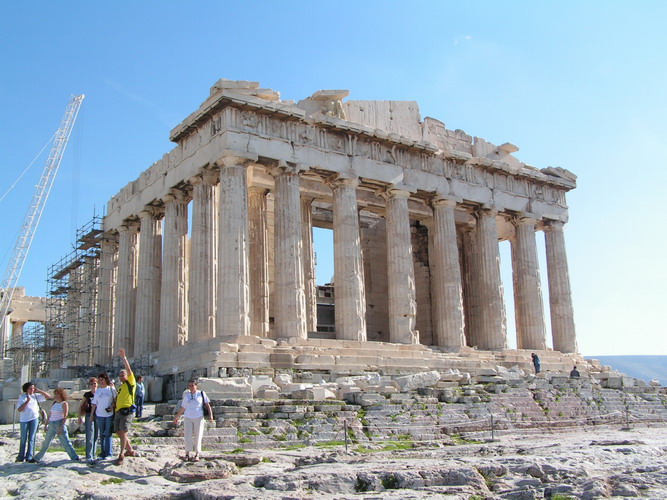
[(103, 398), (31, 411), (194, 403)]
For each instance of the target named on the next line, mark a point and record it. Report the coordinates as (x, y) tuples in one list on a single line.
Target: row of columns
[(160, 301)]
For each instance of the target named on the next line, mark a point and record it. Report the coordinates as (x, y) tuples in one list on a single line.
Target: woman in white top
[(101, 411), (58, 426), (28, 407), (192, 406)]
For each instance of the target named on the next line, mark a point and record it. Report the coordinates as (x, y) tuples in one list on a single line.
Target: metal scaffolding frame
[(72, 308)]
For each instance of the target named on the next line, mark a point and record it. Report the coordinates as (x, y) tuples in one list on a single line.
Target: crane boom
[(34, 214)]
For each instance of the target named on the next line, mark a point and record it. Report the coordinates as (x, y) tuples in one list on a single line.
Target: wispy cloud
[(163, 115), (462, 39)]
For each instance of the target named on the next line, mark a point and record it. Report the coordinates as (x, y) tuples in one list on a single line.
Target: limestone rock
[(418, 380), (201, 471)]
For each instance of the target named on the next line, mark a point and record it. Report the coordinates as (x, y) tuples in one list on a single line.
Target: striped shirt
[(56, 412)]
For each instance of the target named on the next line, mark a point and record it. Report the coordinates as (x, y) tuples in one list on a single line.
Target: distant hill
[(643, 367)]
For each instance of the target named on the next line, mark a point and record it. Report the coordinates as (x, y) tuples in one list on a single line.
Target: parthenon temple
[(206, 260)]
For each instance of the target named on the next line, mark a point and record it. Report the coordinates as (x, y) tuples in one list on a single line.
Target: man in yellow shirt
[(124, 411)]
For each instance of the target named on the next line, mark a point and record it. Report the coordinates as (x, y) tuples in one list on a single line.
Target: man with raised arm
[(124, 409)]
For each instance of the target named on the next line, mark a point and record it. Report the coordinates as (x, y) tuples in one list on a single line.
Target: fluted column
[(149, 277), (290, 302), (446, 288), (560, 294), (528, 306), (310, 284), (471, 286), (202, 265), (350, 296), (104, 333), (233, 315), (400, 270), (493, 326), (259, 259), (17, 333), (173, 291), (126, 287)]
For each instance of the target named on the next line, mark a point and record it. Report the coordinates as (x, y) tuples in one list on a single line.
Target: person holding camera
[(125, 409), (102, 413)]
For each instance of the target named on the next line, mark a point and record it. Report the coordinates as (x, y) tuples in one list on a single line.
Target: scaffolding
[(73, 312)]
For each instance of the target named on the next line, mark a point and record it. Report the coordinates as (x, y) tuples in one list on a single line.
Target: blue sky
[(579, 85)]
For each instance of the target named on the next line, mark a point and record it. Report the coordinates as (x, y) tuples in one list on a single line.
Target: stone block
[(226, 388), (257, 381), (68, 385), (282, 379), (418, 380), (290, 388), (281, 360), (267, 393)]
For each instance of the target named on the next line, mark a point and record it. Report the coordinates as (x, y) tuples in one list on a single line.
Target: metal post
[(345, 430), (492, 429)]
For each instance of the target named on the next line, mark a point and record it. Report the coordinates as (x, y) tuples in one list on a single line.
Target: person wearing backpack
[(196, 406), (85, 415), (28, 407), (125, 410)]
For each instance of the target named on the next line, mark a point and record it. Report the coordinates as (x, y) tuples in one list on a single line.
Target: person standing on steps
[(536, 362), (28, 407), (86, 415), (124, 410), (193, 405), (57, 426), (101, 412), (139, 397)]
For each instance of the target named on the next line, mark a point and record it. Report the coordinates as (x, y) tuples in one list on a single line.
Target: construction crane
[(33, 216)]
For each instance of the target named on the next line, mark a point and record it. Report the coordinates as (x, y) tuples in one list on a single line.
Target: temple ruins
[(206, 261)]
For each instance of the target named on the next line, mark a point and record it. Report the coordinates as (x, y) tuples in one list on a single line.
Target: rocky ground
[(594, 462)]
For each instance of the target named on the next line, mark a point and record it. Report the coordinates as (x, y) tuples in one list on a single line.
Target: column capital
[(236, 159), (342, 180), (257, 190), (151, 212), (553, 225), (485, 210), (445, 201), (129, 225), (208, 175), (281, 167), (400, 191), (176, 194), (524, 218)]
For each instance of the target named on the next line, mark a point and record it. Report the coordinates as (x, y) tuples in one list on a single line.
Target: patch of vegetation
[(280, 437), (458, 439), (390, 482), (266, 460), (245, 440), (561, 496), (253, 432), (404, 437), (295, 446), (237, 450), (267, 430), (388, 446), (112, 480), (362, 486), (329, 444)]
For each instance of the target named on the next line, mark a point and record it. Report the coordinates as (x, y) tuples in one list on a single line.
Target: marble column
[(173, 291), (493, 325), (400, 270), (126, 287), (528, 306), (149, 277), (290, 301), (560, 295), (310, 283), (202, 265), (350, 297), (17, 333), (472, 304), (104, 334), (259, 259), (233, 314), (446, 289), (87, 313)]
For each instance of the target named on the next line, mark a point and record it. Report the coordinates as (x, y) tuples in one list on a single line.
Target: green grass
[(295, 446), (112, 480), (458, 439), (237, 450), (388, 446), (329, 444)]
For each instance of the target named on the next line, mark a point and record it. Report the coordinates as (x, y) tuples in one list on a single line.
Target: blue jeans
[(54, 427), (139, 403), (104, 425), (92, 433), (28, 435)]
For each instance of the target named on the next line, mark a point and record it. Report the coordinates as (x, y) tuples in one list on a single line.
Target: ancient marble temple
[(212, 245)]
